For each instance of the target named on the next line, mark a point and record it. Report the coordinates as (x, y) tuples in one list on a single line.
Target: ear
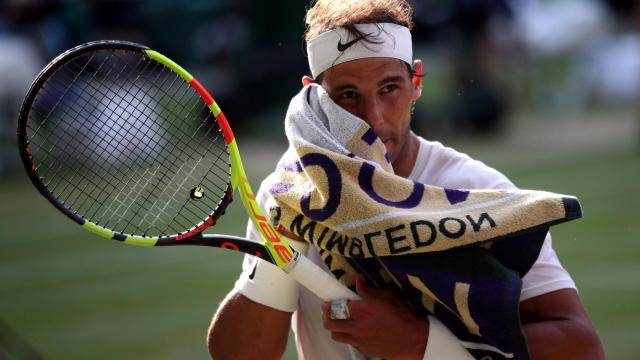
[(306, 80), (417, 78)]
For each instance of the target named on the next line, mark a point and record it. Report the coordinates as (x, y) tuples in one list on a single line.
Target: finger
[(343, 326), (283, 230), (343, 338), (362, 288), (368, 292)]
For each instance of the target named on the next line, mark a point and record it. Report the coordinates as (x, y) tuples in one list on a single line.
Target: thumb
[(368, 292)]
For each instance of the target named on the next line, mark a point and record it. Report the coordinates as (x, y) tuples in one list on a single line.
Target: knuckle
[(355, 306)]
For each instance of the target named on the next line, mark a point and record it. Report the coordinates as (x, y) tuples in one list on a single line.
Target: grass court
[(67, 294)]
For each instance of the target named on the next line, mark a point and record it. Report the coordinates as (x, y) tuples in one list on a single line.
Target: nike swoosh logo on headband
[(345, 46)]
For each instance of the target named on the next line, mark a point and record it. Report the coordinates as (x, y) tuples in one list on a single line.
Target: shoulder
[(444, 166)]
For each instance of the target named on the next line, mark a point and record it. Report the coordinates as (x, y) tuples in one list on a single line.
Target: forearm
[(556, 326), (562, 339), (243, 329)]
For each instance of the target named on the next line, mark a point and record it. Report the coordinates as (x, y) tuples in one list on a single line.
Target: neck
[(403, 164)]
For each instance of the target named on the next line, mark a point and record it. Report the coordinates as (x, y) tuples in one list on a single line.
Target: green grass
[(72, 295), (601, 251)]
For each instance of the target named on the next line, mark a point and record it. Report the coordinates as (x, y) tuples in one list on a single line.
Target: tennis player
[(376, 78)]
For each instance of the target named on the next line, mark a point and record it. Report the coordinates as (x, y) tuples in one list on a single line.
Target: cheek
[(350, 105), (399, 114)]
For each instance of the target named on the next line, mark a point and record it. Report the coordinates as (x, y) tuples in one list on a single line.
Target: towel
[(457, 254)]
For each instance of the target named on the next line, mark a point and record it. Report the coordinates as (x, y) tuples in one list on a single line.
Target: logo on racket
[(197, 193)]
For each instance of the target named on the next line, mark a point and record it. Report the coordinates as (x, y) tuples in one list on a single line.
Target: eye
[(389, 88), (348, 94)]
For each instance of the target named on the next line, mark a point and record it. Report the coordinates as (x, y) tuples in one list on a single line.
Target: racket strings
[(99, 148), (102, 149), (125, 142), (155, 208), (161, 210), (208, 119), (145, 210), (68, 135)]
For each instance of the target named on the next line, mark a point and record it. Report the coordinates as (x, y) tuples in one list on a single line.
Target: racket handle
[(317, 280)]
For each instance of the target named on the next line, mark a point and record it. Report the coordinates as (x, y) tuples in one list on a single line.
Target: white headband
[(338, 45)]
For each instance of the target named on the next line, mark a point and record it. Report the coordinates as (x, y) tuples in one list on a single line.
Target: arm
[(557, 326), (254, 319), (243, 329)]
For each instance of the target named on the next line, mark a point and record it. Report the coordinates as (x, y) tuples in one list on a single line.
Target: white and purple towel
[(457, 254)]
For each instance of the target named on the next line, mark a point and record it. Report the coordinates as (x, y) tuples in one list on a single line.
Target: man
[(374, 78)]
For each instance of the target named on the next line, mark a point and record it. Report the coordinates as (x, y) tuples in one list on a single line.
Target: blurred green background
[(529, 92)]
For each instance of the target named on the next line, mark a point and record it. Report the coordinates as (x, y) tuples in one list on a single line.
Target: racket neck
[(279, 250)]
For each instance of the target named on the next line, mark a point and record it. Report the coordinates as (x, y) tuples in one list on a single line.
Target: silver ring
[(340, 310)]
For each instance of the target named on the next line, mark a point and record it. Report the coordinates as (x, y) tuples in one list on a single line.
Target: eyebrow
[(388, 79), (343, 87)]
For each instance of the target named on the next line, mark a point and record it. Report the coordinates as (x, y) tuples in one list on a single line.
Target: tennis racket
[(130, 146)]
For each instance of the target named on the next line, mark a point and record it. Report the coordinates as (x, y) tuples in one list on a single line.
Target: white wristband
[(442, 344), (269, 285)]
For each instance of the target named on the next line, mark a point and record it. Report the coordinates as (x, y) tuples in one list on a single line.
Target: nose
[(371, 113)]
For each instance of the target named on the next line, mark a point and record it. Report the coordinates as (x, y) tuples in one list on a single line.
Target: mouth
[(387, 142)]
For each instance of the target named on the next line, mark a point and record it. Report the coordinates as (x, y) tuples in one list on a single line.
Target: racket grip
[(317, 280)]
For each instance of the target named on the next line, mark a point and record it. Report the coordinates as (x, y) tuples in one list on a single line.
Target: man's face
[(379, 91)]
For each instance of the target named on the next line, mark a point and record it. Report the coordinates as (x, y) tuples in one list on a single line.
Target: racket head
[(127, 144)]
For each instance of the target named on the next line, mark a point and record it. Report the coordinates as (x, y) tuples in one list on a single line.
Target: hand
[(381, 325)]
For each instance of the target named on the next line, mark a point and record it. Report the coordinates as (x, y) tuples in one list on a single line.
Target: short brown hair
[(325, 15)]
